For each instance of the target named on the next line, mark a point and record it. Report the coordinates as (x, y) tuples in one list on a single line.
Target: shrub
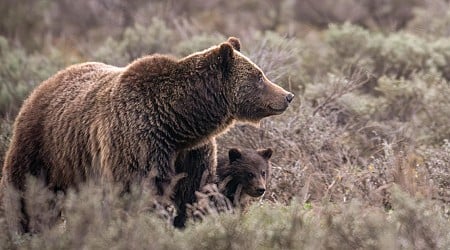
[(23, 22), (437, 164), (379, 14), (279, 57), (431, 20), (402, 54), (5, 137), (440, 56), (21, 72), (96, 218), (398, 54), (15, 85), (137, 41), (197, 43), (349, 40)]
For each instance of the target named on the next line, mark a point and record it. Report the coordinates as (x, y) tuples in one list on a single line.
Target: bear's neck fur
[(201, 102)]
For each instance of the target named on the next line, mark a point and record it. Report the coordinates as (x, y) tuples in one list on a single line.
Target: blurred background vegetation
[(362, 158)]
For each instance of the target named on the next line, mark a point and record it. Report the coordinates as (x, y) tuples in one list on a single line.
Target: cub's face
[(250, 168), (253, 95)]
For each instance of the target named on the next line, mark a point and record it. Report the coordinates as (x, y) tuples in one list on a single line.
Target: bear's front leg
[(197, 163), (164, 174), (151, 162)]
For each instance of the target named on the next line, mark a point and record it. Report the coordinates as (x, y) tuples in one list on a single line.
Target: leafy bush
[(380, 14), (278, 56), (97, 218), (15, 86), (5, 136), (24, 21), (438, 160), (197, 43), (21, 72), (137, 41), (397, 54), (432, 20)]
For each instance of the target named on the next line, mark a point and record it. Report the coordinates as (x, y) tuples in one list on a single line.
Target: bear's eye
[(260, 79), (250, 175), (263, 173)]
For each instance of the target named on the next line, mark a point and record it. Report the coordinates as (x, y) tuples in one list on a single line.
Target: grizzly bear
[(93, 120), (243, 174)]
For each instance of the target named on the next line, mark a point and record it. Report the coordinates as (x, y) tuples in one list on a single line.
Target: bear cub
[(243, 174)]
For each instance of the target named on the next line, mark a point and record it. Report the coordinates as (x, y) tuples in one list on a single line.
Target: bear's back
[(58, 116), (66, 84)]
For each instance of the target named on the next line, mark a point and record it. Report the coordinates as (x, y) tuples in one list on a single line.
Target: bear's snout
[(289, 97), (257, 187), (278, 98), (260, 191), (257, 191)]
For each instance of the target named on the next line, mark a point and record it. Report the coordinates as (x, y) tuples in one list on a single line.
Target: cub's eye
[(250, 175), (263, 173)]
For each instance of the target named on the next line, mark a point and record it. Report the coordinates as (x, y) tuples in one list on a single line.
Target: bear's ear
[(235, 43), (226, 56), (265, 153), (234, 154)]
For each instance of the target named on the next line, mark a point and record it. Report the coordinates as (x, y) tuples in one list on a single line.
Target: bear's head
[(248, 168), (252, 95)]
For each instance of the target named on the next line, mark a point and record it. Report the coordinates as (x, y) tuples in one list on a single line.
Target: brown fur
[(244, 173), (199, 165), (94, 120)]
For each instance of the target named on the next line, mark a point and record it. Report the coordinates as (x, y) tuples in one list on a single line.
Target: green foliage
[(396, 54), (21, 72), (96, 217), (401, 54), (5, 137), (278, 56), (197, 43), (14, 86), (349, 40), (19, 19), (387, 15), (409, 79), (136, 42), (432, 20), (440, 56), (438, 160), (419, 224)]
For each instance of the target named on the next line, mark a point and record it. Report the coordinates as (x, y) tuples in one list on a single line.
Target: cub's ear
[(226, 56), (265, 153), (234, 154), (235, 43)]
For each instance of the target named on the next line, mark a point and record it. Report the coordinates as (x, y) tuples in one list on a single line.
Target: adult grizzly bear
[(95, 120)]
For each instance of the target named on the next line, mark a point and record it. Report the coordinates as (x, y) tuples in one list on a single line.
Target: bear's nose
[(289, 97), (260, 191)]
